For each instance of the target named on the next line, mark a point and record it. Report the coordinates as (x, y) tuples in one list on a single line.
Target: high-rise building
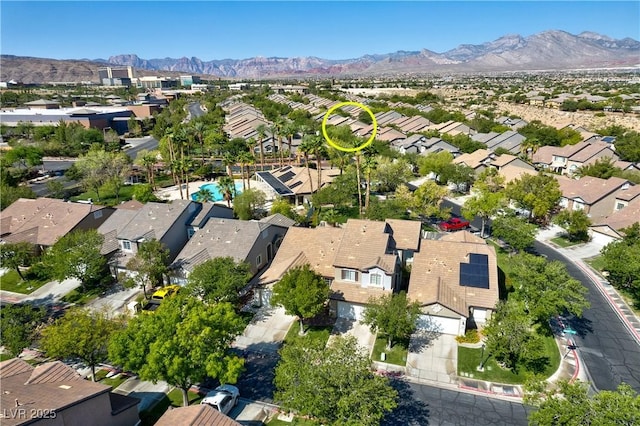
[(116, 76)]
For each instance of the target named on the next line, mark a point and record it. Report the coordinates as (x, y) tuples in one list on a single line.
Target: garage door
[(441, 324), (350, 311)]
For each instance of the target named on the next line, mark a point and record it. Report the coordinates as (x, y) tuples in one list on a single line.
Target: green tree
[(516, 232), (56, 188), (510, 338), (546, 288), (227, 188), (219, 280), (434, 163), (77, 255), (571, 404), (182, 343), (428, 197), (150, 264), (284, 207), (18, 325), (488, 197), (575, 222), (247, 204), (333, 384), (17, 255), (602, 168), (539, 194), (390, 173), (301, 292), (144, 193), (25, 156), (204, 195), (393, 315), (93, 168), (9, 194), (622, 261), (628, 146), (80, 334)]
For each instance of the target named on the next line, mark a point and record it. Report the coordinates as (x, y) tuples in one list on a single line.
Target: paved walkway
[(49, 293)]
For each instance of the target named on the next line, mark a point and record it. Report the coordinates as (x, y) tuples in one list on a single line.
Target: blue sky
[(333, 30)]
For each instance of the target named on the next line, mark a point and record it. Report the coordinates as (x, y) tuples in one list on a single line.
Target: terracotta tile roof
[(46, 219), (195, 415), (130, 205), (591, 150), (623, 218), (319, 247), (364, 245), (435, 273), (503, 160), (51, 386), (474, 159), (405, 234), (512, 172), (628, 194), (354, 292), (590, 189)]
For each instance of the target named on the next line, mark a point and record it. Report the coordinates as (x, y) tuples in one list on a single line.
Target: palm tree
[(198, 128), (276, 130), (248, 159), (204, 195), (229, 160), (306, 147), (290, 129), (262, 133), (147, 159), (227, 188), (369, 165), (168, 146)]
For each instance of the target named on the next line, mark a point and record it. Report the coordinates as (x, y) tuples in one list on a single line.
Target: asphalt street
[(604, 344)]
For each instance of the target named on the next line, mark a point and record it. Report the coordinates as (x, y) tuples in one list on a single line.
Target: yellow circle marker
[(342, 148)]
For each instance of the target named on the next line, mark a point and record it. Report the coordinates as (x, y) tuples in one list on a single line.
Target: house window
[(375, 279), (259, 260), (328, 281), (126, 245), (349, 275)]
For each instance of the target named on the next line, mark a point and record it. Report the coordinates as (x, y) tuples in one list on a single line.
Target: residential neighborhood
[(304, 241)]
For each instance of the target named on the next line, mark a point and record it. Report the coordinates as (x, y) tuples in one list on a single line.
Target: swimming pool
[(215, 191)]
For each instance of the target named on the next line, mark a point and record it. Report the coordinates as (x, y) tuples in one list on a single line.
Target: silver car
[(223, 398)]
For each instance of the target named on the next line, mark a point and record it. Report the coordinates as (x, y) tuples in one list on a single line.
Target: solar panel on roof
[(287, 176), (482, 259), (474, 275), (298, 183), (274, 183)]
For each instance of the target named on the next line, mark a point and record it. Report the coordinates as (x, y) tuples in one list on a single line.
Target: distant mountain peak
[(553, 49)]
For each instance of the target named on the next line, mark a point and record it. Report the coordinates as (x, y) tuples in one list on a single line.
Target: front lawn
[(79, 297), (297, 421), (11, 281), (469, 360), (107, 196), (564, 242), (319, 333), (396, 355)]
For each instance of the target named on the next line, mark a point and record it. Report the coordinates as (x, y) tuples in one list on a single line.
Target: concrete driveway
[(266, 332), (361, 332), (433, 358)]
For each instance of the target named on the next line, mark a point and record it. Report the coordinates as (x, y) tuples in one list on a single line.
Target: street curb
[(591, 274)]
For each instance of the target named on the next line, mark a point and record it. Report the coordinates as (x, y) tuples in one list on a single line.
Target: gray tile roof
[(156, 217), (278, 219), (220, 238)]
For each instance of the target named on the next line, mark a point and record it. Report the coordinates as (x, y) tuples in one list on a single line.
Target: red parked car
[(453, 224)]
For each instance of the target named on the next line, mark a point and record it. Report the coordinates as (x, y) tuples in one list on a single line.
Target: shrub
[(471, 336)]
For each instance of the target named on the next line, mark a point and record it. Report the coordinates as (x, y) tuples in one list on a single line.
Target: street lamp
[(481, 367)]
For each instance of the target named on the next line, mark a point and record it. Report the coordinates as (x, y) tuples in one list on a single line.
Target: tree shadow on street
[(410, 411)]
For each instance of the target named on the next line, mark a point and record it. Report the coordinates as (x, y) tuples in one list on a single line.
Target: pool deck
[(173, 193)]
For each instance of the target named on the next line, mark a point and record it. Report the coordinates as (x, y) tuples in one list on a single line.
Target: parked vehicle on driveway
[(156, 298), (223, 398), (454, 224)]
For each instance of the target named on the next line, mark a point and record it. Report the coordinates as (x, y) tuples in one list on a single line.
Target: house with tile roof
[(595, 196), (455, 280), (294, 183), (478, 160), (170, 223), (42, 221), (253, 242), (58, 395), (612, 226), (195, 415), (361, 260), (569, 158)]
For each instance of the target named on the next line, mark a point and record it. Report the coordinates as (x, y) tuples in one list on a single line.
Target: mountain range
[(548, 50)]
